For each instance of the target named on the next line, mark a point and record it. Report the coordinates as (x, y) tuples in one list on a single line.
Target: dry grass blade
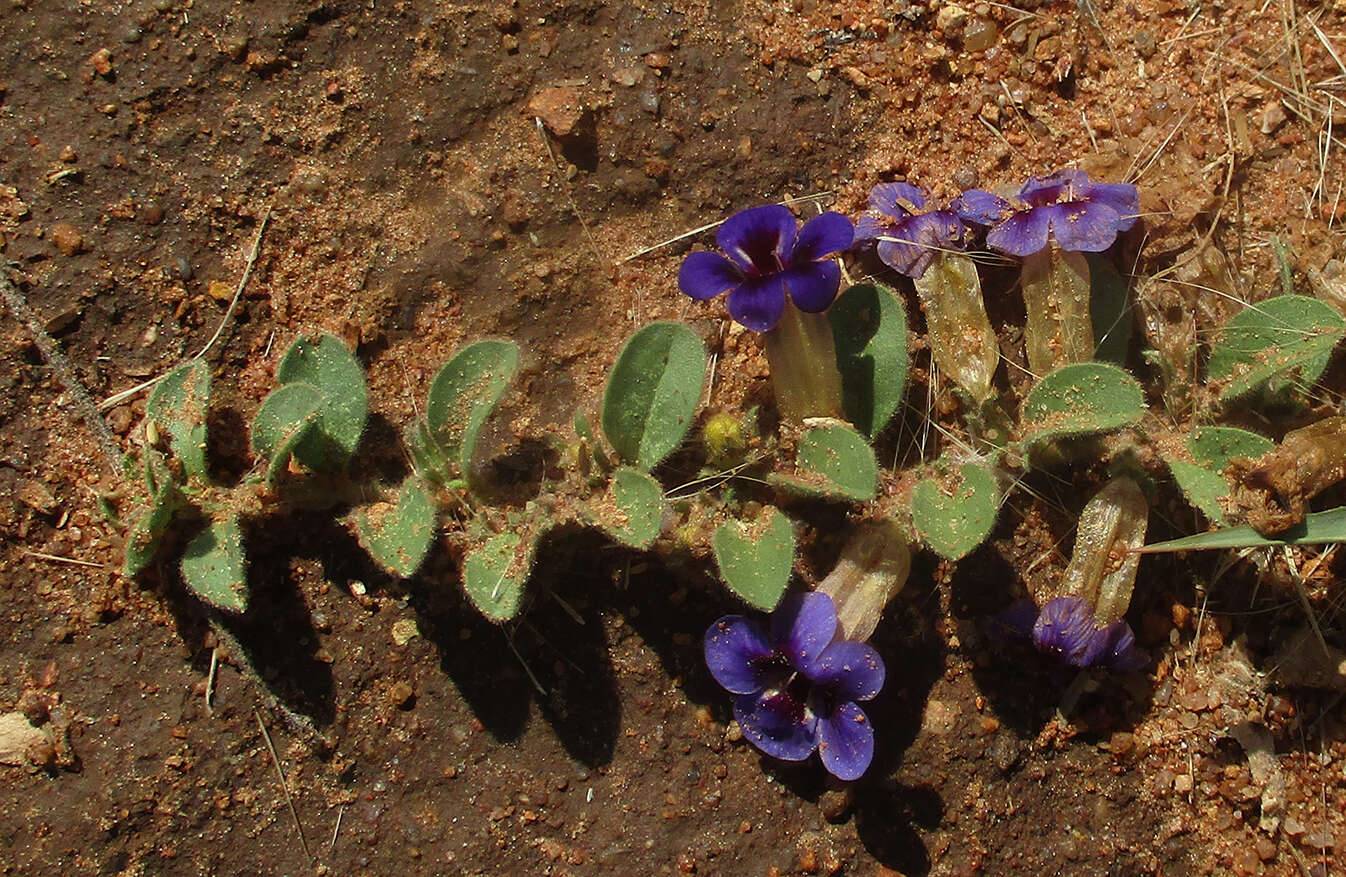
[(284, 786), (788, 202)]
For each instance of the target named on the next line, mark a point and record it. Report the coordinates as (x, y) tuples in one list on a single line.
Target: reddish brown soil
[(415, 203)]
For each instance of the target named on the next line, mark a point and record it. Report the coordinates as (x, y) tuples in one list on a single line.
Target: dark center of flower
[(760, 247), (788, 703)]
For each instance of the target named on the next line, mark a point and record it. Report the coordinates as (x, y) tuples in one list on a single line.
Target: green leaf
[(1273, 338), (1202, 487), (397, 534), (1319, 528), (833, 460), (756, 560), (495, 572), (955, 513), (178, 406), (329, 368), (1110, 310), (427, 457), (1081, 398), (869, 330), (143, 542), (284, 420), (633, 508), (1214, 446), (463, 395), (214, 566), (652, 393)]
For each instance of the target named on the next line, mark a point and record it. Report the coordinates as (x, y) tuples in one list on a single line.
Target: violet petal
[(846, 742), (850, 670), (867, 228), (813, 285), (1017, 618), (886, 198), (758, 302), (760, 238), (1021, 234), (705, 275), (802, 626), (1121, 197), (1041, 191), (1065, 628), (902, 255), (777, 724), (821, 236), (982, 208), (1121, 653), (738, 653), (1083, 226)]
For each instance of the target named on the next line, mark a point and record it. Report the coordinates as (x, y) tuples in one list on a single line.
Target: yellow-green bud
[(725, 442)]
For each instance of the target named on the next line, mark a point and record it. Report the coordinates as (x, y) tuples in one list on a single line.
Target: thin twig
[(284, 786), (88, 411), (118, 398)]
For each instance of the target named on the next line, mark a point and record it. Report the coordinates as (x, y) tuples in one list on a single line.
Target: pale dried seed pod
[(1059, 329), (1102, 568), (872, 569), (961, 338)]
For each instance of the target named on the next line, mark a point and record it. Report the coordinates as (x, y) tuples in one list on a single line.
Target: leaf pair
[(317, 415)]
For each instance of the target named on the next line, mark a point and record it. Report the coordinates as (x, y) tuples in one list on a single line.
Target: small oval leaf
[(397, 534), (494, 574), (652, 393), (178, 407), (955, 513), (833, 460), (633, 508), (869, 331), (1081, 398), (214, 567), (463, 395), (328, 367), (283, 421), (756, 560)]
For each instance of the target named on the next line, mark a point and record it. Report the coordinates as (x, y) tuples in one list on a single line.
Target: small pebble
[(401, 695), (101, 62), (66, 238)]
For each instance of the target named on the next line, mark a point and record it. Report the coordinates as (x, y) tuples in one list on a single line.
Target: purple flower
[(1084, 217), (1065, 627), (908, 238), (770, 257), (795, 689)]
